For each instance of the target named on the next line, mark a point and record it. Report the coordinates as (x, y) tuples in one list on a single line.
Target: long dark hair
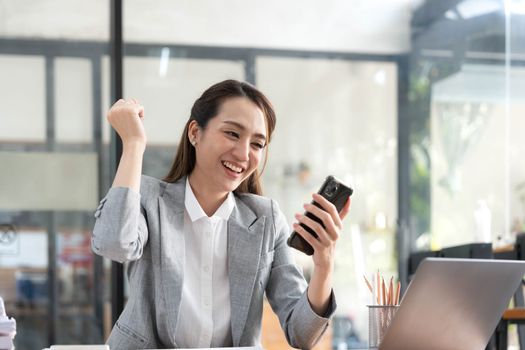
[(205, 108)]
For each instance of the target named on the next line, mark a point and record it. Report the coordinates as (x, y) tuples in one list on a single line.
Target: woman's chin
[(233, 185), (227, 185), (230, 184)]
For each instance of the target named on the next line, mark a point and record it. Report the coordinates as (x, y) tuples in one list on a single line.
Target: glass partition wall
[(515, 109), (54, 169), (466, 104)]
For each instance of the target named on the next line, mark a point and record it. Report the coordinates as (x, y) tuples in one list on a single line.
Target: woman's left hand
[(324, 244)]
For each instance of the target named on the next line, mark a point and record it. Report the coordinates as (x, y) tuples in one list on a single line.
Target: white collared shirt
[(204, 316)]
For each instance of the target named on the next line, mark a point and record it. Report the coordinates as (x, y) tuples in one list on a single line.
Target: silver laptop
[(453, 304)]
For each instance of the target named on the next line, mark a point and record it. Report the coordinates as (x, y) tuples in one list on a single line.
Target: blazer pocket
[(125, 330), (266, 260)]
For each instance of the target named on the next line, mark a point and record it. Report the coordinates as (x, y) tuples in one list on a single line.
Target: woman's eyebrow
[(240, 126)]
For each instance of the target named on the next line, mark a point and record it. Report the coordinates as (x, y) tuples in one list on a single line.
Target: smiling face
[(230, 147)]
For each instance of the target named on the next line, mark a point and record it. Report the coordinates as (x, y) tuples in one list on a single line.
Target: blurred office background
[(418, 104)]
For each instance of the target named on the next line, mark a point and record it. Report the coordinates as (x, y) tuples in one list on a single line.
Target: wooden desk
[(509, 248), (506, 252), (273, 337), (516, 315)]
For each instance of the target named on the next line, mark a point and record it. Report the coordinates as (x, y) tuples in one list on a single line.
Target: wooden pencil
[(368, 284), (394, 299), (398, 292), (383, 291), (390, 291), (378, 290)]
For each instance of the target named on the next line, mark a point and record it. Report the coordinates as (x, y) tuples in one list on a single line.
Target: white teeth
[(232, 167)]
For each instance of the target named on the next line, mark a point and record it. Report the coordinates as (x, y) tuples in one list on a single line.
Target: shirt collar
[(195, 211)]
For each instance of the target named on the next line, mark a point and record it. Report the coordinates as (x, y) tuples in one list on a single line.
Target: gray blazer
[(146, 229)]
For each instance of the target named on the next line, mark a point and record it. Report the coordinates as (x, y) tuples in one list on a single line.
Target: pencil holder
[(379, 318)]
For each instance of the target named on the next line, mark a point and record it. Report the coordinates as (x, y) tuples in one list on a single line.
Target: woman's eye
[(258, 145), (232, 133)]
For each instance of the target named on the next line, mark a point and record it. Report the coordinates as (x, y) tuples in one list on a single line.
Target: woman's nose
[(242, 150)]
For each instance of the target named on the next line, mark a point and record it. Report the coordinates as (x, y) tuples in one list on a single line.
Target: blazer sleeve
[(121, 231), (287, 292)]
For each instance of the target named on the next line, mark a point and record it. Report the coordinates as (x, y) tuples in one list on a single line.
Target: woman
[(203, 244)]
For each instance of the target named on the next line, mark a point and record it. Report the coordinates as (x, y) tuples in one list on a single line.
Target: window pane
[(73, 102), (22, 121)]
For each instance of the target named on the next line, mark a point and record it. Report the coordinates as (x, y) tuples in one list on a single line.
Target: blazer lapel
[(172, 250), (244, 250)]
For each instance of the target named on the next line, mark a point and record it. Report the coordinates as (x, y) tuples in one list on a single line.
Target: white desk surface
[(105, 347)]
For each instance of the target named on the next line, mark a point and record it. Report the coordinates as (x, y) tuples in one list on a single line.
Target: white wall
[(372, 26)]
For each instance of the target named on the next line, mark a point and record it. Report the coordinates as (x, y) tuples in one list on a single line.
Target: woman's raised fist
[(125, 116)]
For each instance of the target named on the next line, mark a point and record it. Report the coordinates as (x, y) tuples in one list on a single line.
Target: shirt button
[(206, 268)]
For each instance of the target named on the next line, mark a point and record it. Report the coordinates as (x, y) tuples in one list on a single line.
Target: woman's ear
[(193, 132)]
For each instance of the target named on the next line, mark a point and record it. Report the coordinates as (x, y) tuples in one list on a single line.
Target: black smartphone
[(336, 193)]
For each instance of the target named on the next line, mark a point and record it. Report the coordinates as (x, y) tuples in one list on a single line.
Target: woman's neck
[(209, 199)]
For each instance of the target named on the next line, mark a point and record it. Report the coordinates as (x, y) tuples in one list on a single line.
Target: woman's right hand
[(125, 116)]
